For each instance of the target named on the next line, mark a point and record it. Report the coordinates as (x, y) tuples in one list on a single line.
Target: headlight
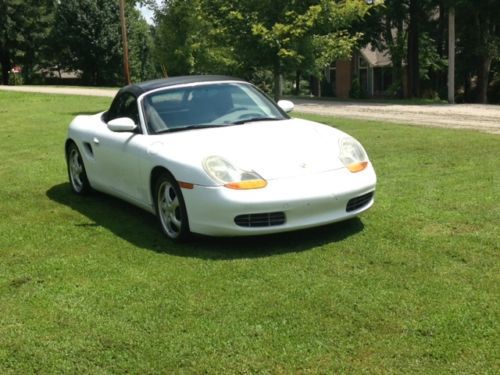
[(223, 172), (353, 155)]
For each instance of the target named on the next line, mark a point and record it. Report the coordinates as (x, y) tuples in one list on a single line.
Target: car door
[(117, 154)]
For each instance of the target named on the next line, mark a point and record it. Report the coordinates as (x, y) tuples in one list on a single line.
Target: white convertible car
[(214, 155)]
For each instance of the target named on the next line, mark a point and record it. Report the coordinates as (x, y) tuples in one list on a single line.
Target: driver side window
[(126, 106), (129, 108)]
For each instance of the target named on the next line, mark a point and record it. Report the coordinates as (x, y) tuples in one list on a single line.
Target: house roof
[(374, 57)]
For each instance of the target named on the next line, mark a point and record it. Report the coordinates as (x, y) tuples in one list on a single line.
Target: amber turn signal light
[(246, 185), (357, 167)]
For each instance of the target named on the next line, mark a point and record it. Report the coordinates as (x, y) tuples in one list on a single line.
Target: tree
[(478, 41), (89, 31), (335, 35), (141, 47), (415, 18), (24, 26), (451, 54), (283, 36), (187, 43), (413, 33), (386, 28), (87, 38)]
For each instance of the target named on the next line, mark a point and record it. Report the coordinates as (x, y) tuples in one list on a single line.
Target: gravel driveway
[(88, 91), (485, 118)]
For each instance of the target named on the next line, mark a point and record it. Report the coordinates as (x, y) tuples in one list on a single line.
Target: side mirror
[(286, 105), (122, 124)]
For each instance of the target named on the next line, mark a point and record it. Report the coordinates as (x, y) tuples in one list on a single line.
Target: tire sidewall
[(184, 233), (85, 182)]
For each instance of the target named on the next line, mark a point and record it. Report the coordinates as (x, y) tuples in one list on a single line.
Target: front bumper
[(305, 201)]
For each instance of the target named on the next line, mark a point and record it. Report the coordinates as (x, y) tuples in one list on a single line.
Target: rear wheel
[(170, 208), (76, 170)]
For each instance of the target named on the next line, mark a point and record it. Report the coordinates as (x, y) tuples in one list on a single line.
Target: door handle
[(95, 140)]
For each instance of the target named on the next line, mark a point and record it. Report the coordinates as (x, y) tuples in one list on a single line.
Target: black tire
[(170, 208), (76, 171)]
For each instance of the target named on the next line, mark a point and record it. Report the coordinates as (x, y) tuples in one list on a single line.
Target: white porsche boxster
[(214, 155)]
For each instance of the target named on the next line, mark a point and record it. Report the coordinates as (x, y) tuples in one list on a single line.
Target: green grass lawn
[(90, 284)]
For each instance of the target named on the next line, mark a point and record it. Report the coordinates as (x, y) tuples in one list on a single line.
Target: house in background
[(372, 67), (57, 76)]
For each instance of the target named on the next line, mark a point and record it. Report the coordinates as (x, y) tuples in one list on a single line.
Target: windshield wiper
[(254, 119), (192, 127)]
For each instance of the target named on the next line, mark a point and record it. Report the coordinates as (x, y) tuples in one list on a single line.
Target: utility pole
[(125, 42), (451, 54)]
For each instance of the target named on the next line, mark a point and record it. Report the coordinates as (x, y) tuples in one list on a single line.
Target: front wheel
[(76, 170), (170, 208)]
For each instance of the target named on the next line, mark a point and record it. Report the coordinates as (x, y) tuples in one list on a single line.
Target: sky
[(148, 13)]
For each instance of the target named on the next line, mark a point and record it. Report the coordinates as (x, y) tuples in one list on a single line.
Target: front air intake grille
[(260, 220), (359, 202)]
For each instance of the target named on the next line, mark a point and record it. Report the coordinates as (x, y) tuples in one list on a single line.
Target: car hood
[(273, 149)]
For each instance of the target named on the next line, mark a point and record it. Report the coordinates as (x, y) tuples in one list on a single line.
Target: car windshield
[(207, 105)]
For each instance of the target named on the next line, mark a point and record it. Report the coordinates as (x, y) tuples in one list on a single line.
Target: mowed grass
[(90, 284)]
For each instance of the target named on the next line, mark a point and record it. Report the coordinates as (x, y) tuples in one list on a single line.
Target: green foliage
[(331, 47), (331, 35), (430, 60), (283, 36), (141, 47), (249, 38), (87, 38), (356, 91), (476, 35), (478, 44), (90, 285), (479, 26), (24, 26), (263, 79), (386, 29), (186, 42)]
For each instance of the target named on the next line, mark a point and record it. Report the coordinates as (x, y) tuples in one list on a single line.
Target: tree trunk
[(438, 77), (483, 79), (297, 83), (6, 66), (277, 90), (486, 31), (413, 50), (395, 47), (315, 86), (451, 55), (397, 74), (467, 87), (441, 36)]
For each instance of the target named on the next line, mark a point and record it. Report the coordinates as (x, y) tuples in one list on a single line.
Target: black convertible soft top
[(137, 89)]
